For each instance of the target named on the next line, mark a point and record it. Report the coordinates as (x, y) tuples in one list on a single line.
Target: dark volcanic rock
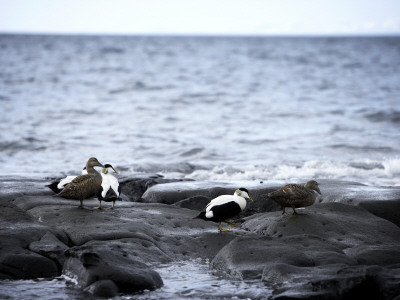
[(331, 282), (134, 187), (386, 209), (383, 202), (17, 232), (331, 252), (197, 203), (344, 224), (20, 264), (128, 275), (103, 288), (246, 257), (334, 251), (51, 247)]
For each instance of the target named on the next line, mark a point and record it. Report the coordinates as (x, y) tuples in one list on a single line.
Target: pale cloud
[(391, 25), (201, 16)]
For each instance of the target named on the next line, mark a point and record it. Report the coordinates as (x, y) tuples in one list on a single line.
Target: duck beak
[(115, 171), (250, 199), (318, 191)]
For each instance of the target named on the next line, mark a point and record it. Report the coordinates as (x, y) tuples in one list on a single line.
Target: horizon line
[(197, 34)]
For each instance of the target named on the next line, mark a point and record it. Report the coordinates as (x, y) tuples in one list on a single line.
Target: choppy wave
[(384, 116), (386, 172), (204, 108)]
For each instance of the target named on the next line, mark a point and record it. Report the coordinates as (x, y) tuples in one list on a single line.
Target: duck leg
[(295, 212), (284, 211), (220, 228), (112, 207), (99, 207), (81, 206), (232, 224)]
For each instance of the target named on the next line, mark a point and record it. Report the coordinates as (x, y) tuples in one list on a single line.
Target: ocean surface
[(190, 279), (206, 108)]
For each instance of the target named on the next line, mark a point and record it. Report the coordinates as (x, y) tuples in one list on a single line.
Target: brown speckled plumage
[(294, 195), (84, 186)]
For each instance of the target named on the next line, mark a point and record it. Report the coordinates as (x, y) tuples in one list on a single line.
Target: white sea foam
[(392, 167), (368, 172)]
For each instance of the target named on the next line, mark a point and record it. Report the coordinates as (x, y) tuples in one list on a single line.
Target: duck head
[(93, 162), (312, 185), (107, 168), (243, 192)]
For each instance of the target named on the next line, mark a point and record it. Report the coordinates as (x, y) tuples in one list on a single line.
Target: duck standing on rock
[(224, 207), (58, 185), (84, 186), (110, 188), (294, 195)]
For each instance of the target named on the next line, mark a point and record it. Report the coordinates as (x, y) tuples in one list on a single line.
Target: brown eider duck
[(294, 195), (84, 186), (224, 207)]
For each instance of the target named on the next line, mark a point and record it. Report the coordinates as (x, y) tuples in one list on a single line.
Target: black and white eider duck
[(224, 207), (110, 188), (58, 185), (84, 186), (294, 195)]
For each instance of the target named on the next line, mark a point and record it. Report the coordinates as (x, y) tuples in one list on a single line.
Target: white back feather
[(109, 181), (63, 182), (220, 200)]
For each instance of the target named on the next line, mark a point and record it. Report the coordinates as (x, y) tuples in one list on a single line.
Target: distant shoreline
[(201, 35)]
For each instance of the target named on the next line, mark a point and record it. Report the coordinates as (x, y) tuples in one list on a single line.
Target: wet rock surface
[(347, 245), (332, 250)]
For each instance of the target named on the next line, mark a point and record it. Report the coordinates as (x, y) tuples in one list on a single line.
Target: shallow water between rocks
[(190, 279)]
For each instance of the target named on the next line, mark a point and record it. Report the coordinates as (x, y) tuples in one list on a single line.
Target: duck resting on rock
[(224, 207), (84, 186), (294, 195), (110, 188)]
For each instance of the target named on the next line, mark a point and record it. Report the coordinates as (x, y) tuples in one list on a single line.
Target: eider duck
[(85, 185), (224, 207), (294, 195), (110, 188), (58, 185)]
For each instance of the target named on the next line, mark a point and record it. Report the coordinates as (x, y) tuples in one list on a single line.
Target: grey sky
[(201, 16)]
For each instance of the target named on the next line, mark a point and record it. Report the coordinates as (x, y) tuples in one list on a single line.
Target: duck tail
[(202, 215), (53, 187)]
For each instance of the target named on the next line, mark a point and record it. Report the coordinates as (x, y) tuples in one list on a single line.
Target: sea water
[(190, 279), (221, 108)]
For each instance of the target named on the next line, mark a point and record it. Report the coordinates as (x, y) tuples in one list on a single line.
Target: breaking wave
[(386, 172)]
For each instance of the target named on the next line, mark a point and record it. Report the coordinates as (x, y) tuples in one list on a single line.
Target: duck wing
[(79, 183), (290, 191), (63, 182)]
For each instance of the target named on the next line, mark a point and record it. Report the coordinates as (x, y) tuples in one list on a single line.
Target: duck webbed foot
[(232, 224), (296, 213), (112, 207), (220, 229)]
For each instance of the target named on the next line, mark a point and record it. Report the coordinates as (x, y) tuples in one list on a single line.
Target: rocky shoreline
[(346, 246)]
